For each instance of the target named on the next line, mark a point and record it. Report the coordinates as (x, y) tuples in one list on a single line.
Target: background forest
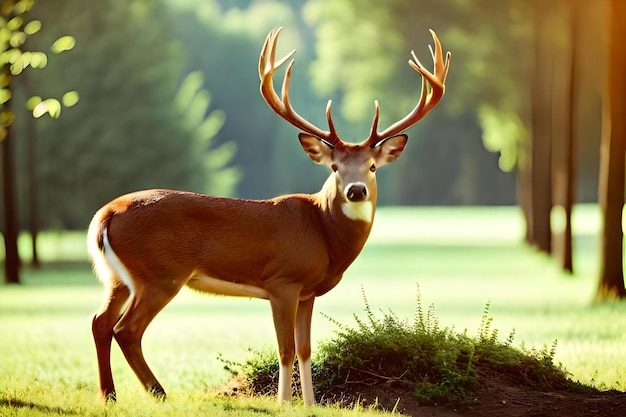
[(102, 98), (169, 98), (164, 93)]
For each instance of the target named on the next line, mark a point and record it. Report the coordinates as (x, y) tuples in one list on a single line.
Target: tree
[(225, 47), (489, 65), (540, 149), (127, 133), (14, 59), (611, 282), (192, 104), (564, 110)]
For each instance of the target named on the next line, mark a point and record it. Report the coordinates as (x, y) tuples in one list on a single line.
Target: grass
[(462, 259)]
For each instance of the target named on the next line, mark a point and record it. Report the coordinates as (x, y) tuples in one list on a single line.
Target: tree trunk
[(611, 193), (31, 166), (563, 156), (10, 231), (541, 145), (12, 260), (567, 259), (33, 212), (524, 195)]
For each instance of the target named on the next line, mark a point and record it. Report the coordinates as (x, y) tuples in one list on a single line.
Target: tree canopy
[(133, 61)]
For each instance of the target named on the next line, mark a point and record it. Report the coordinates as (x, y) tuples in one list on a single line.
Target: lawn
[(461, 259)]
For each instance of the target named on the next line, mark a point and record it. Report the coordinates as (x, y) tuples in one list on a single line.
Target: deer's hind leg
[(102, 325), (145, 303)]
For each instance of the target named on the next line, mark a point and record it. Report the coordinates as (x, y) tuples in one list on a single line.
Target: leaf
[(212, 124), (15, 23), (18, 66), (32, 27), (5, 80), (70, 98), (17, 39), (32, 102), (5, 33), (221, 156), (23, 6), (38, 60), (7, 118), (50, 105), (64, 43), (5, 95), (22, 62), (188, 89), (39, 110), (11, 55)]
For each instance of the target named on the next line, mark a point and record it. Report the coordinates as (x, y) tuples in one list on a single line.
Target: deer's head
[(353, 165)]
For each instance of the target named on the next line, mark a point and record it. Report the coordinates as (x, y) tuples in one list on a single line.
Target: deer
[(147, 245)]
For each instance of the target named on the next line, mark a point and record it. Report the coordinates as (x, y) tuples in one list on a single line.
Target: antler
[(267, 67), (432, 91)]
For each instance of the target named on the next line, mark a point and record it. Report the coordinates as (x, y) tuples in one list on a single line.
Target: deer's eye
[(373, 168), (334, 167)]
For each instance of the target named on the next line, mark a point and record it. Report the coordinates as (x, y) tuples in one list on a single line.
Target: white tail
[(147, 245)]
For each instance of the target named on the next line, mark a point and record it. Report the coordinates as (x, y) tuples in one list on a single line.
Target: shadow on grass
[(14, 403), (249, 408)]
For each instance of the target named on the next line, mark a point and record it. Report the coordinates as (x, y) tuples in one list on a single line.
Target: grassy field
[(461, 258)]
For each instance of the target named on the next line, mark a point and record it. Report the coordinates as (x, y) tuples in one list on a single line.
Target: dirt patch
[(498, 393), (495, 395)]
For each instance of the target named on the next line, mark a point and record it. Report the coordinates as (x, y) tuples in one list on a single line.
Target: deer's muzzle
[(356, 191)]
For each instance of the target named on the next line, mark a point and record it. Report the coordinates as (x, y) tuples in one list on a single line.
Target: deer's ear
[(319, 151), (390, 149)]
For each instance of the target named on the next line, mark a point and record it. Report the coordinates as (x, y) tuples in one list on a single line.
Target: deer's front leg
[(303, 348), (284, 301)]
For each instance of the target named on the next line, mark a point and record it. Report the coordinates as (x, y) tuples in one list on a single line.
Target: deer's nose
[(356, 192)]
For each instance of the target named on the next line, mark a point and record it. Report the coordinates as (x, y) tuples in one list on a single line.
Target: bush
[(437, 364)]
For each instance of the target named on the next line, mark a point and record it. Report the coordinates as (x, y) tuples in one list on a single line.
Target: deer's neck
[(347, 225)]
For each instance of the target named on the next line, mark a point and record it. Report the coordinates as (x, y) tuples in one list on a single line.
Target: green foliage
[(64, 43), (130, 58), (387, 349), (440, 365), (129, 130), (192, 104), (503, 132), (16, 54), (359, 64), (369, 62), (258, 373), (223, 40)]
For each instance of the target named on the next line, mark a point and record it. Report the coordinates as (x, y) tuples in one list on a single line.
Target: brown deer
[(147, 245)]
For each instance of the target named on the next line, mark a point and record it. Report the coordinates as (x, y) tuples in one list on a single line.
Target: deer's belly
[(217, 286)]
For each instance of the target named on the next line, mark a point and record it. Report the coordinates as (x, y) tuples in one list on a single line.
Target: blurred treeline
[(169, 98)]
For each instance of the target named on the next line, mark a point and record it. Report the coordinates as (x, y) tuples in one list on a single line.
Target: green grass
[(462, 258)]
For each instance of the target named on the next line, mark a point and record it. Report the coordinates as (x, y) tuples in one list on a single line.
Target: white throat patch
[(362, 210)]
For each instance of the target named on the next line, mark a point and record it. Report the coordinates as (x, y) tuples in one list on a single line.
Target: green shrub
[(438, 364)]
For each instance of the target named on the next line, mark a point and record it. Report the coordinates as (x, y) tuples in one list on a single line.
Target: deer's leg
[(284, 302), (102, 328), (303, 348), (144, 306)]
